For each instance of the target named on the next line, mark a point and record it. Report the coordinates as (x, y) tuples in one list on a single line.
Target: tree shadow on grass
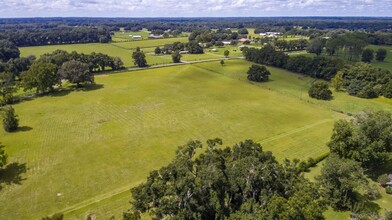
[(24, 129), (88, 87), (12, 174), (385, 168), (59, 92)]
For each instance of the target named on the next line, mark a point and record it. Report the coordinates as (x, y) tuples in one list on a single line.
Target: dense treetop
[(227, 183)]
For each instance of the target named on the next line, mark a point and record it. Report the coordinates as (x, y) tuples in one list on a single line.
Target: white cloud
[(174, 8)]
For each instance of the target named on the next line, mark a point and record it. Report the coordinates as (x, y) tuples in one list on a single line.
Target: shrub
[(388, 215), (383, 179), (258, 73), (372, 193), (320, 90), (388, 190), (10, 120)]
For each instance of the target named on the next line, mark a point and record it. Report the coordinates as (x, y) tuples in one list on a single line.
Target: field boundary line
[(97, 199), (288, 133)]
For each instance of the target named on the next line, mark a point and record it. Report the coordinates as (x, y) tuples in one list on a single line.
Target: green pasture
[(84, 149), (123, 50), (120, 36), (297, 85), (387, 64)]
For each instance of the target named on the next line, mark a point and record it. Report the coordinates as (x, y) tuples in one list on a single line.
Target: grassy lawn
[(83, 150)]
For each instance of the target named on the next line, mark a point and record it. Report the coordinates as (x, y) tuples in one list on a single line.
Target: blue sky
[(193, 8)]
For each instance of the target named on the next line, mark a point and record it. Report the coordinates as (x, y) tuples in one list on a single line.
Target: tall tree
[(116, 63), (367, 138), (381, 54), (339, 180), (7, 88), (226, 53), (3, 156), (157, 50), (76, 72), (316, 46), (8, 50), (10, 119), (41, 76), (337, 81), (176, 57), (139, 58), (367, 55)]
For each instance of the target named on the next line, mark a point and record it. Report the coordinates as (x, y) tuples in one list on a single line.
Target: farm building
[(226, 42), (155, 36), (136, 37), (270, 34), (184, 52), (243, 40), (214, 50)]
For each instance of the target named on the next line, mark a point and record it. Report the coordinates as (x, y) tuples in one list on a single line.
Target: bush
[(388, 190), (258, 73), (367, 55), (320, 90), (372, 193), (383, 179), (388, 215), (10, 120)]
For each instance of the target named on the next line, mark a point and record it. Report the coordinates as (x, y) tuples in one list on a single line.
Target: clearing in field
[(84, 149)]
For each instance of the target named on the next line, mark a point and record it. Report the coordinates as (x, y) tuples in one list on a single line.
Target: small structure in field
[(226, 42), (137, 37), (270, 34), (184, 52), (155, 36), (214, 50)]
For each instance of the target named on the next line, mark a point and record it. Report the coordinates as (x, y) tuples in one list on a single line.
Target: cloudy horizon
[(193, 8)]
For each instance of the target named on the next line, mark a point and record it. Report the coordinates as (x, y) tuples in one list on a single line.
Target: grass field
[(297, 85), (92, 146), (120, 36), (387, 64), (122, 50)]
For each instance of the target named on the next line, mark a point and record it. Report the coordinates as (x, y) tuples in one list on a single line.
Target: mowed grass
[(123, 50), (92, 146)]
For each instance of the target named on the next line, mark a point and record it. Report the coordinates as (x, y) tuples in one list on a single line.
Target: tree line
[(317, 67), (357, 79), (56, 35), (49, 70)]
